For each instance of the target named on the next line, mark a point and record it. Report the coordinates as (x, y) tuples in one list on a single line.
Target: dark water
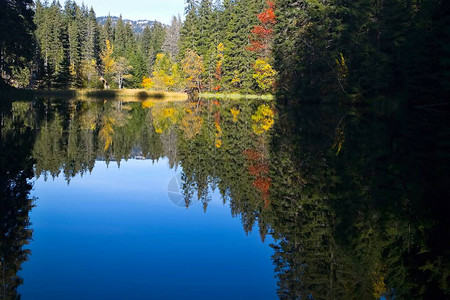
[(223, 200)]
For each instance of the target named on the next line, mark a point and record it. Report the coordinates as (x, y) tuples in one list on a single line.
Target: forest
[(331, 50), (71, 50)]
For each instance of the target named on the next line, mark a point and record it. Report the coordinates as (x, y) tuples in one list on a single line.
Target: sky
[(160, 10)]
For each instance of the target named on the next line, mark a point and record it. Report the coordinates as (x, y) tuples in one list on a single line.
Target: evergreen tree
[(16, 36), (151, 43), (120, 37), (106, 33)]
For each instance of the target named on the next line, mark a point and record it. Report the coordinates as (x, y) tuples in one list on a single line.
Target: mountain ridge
[(137, 25)]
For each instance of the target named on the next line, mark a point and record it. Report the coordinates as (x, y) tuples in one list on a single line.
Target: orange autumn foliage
[(259, 169), (268, 15), (261, 35), (262, 32), (252, 154)]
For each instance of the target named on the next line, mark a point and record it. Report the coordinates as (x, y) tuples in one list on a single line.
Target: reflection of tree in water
[(365, 220), (16, 170), (356, 201)]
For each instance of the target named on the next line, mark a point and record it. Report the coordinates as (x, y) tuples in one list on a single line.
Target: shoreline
[(89, 94), (125, 94)]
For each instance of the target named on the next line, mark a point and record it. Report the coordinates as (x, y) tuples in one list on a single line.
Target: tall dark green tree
[(16, 36)]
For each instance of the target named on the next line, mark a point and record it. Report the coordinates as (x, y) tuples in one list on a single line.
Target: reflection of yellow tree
[(262, 119), (191, 124), (113, 118), (339, 138), (148, 103), (218, 140), (163, 118), (90, 118), (107, 131), (235, 114)]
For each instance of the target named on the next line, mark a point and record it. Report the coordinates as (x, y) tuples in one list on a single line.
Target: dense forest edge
[(302, 51)]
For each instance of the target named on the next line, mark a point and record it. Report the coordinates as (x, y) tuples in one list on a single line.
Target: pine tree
[(106, 33), (120, 37), (189, 33)]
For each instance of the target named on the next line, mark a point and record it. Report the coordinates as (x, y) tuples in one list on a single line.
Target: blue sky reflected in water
[(114, 234)]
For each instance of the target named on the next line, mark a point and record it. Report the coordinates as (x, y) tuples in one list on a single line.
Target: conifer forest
[(312, 50)]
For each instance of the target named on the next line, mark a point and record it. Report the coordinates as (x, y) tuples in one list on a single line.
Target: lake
[(223, 199)]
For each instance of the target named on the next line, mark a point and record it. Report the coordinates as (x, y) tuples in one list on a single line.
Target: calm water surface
[(106, 199)]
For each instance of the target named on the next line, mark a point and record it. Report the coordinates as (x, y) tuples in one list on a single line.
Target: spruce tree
[(16, 40)]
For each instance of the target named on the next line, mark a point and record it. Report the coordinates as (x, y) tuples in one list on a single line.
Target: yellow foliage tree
[(236, 80), (108, 62), (193, 67), (166, 75), (219, 64), (264, 75), (147, 83), (342, 72)]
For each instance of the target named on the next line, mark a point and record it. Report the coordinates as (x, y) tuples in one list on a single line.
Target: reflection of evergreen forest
[(356, 201), (16, 169)]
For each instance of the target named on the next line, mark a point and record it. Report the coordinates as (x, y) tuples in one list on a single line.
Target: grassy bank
[(125, 94), (236, 96), (87, 94)]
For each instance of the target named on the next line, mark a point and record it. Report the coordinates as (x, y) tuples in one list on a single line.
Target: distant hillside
[(138, 26)]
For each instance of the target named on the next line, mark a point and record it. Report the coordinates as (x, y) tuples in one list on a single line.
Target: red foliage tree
[(261, 35)]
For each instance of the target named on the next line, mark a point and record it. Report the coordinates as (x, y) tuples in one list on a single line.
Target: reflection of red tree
[(258, 167), (255, 170)]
